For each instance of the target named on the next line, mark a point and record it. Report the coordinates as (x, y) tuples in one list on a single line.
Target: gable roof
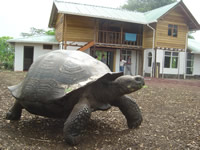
[(154, 15), (96, 12), (194, 46), (41, 39), (116, 13)]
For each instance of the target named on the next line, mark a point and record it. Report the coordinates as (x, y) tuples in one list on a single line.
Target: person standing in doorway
[(121, 65), (103, 59), (128, 66)]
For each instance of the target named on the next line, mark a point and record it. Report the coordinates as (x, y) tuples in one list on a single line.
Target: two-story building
[(153, 43)]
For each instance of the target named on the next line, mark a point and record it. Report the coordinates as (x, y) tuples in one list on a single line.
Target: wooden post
[(95, 31), (121, 33), (64, 31), (65, 45)]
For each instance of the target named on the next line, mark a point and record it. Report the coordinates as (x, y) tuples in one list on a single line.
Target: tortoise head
[(129, 83)]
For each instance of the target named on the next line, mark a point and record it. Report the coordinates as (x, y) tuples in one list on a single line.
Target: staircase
[(86, 46)]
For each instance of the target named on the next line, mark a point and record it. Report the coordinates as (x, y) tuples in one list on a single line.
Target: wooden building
[(154, 42), (117, 33)]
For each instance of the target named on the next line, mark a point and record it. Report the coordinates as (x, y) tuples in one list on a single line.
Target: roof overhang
[(31, 42), (34, 40), (53, 16), (193, 25), (193, 46)]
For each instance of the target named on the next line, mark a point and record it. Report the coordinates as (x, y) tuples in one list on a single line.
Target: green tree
[(6, 53), (50, 32), (190, 36), (145, 5), (35, 31)]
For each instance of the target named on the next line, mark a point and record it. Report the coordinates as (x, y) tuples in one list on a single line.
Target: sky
[(17, 16)]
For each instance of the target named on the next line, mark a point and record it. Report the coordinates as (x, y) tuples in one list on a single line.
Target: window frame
[(191, 60), (173, 30), (47, 46), (173, 57), (149, 59), (125, 54)]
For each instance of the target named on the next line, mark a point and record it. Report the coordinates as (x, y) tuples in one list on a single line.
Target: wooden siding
[(59, 27), (79, 28), (175, 17), (147, 37)]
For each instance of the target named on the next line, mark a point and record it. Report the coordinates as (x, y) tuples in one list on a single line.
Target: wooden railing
[(110, 37)]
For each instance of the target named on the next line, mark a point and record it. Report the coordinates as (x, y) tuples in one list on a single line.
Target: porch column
[(117, 60)]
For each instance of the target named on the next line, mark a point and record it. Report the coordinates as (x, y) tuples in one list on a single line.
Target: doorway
[(28, 57), (106, 57), (129, 66)]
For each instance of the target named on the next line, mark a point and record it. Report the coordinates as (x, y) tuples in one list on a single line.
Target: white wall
[(196, 68), (160, 54), (19, 57), (134, 63), (181, 64), (117, 60), (147, 69), (19, 54), (73, 47)]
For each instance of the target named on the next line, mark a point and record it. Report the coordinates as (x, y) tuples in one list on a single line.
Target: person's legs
[(121, 68)]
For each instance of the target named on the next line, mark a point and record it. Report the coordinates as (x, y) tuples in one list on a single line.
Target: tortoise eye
[(137, 79)]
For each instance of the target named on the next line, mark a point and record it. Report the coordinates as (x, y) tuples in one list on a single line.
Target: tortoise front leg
[(76, 123), (130, 110), (15, 112)]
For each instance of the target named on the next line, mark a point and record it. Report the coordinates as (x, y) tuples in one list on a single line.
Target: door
[(106, 57), (28, 57), (126, 55)]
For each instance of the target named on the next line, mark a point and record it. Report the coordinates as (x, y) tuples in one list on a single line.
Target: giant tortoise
[(71, 85)]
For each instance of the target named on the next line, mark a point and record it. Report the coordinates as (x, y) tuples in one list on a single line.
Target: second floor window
[(172, 30)]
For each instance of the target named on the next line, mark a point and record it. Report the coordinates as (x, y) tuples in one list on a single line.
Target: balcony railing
[(117, 38)]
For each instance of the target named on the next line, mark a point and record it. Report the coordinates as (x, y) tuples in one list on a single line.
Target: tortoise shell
[(57, 73)]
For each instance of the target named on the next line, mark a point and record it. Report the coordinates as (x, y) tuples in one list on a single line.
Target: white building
[(28, 49), (173, 64)]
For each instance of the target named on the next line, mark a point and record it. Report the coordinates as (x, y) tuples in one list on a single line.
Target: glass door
[(190, 64), (126, 55)]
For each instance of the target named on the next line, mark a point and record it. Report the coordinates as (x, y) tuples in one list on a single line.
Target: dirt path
[(170, 108)]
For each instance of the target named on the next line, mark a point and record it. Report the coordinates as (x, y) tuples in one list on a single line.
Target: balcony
[(118, 39)]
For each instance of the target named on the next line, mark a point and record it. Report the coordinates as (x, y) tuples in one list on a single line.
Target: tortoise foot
[(135, 124), (13, 116), (72, 140)]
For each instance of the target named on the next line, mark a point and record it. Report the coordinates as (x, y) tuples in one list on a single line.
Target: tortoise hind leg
[(76, 123), (15, 112), (130, 110)]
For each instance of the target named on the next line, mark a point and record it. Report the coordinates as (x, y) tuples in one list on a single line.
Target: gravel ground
[(170, 109)]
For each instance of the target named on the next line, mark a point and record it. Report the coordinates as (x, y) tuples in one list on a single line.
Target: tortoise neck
[(105, 92)]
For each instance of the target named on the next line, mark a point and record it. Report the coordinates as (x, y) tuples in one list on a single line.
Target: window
[(167, 59), (149, 59), (172, 30), (171, 60), (125, 54), (190, 63), (48, 47)]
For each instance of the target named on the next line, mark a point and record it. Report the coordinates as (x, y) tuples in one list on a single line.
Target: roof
[(97, 12), (194, 46), (116, 13), (153, 15), (43, 39)]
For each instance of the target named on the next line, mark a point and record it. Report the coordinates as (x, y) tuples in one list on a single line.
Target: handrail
[(111, 37)]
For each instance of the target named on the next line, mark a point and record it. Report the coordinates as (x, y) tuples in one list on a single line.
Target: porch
[(118, 39)]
